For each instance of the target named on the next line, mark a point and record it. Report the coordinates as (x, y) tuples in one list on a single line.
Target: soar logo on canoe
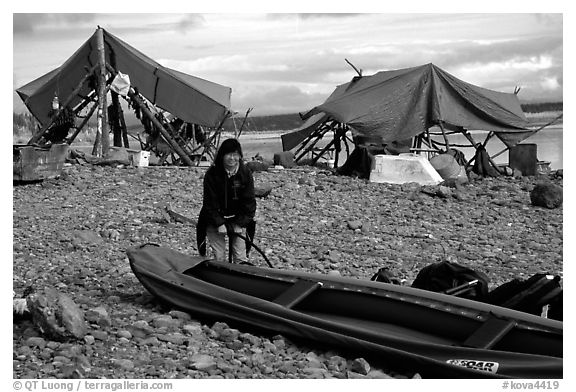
[(485, 366)]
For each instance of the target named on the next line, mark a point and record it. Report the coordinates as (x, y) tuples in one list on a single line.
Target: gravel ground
[(71, 234)]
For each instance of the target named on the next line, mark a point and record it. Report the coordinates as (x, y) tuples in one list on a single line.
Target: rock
[(165, 321), (100, 335), (193, 329), (374, 373), (225, 333), (98, 316), (360, 365), (175, 338), (285, 159), (140, 329), (203, 362), (444, 192), (258, 166), (337, 363), (150, 341), (354, 224), (177, 314), (87, 236), (546, 195), (56, 315), (124, 334), (35, 342), (125, 364), (251, 339), (262, 191), (356, 376)]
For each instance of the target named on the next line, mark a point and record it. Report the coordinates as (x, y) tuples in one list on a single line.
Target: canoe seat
[(489, 333), (297, 292)]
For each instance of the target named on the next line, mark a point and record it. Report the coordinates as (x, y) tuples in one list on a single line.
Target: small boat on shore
[(433, 334), (34, 163)]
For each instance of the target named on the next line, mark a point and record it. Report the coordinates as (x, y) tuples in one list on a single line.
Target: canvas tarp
[(400, 104), (192, 99), (292, 139)]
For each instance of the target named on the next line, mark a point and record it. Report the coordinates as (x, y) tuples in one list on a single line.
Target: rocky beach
[(70, 235)]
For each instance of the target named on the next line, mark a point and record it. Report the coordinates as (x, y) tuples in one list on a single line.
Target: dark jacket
[(224, 197)]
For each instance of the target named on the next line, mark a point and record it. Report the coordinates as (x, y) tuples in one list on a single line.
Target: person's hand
[(237, 229), (222, 229)]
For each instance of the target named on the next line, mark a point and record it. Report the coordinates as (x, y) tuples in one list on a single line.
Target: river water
[(549, 141)]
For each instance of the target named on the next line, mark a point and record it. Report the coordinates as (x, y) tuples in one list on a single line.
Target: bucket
[(445, 165)]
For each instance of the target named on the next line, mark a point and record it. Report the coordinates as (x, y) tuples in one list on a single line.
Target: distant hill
[(542, 107), (278, 122)]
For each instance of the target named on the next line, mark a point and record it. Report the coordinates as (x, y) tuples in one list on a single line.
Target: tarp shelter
[(401, 104), (189, 98)]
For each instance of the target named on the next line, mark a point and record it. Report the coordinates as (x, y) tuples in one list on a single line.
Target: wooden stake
[(102, 142), (444, 135)]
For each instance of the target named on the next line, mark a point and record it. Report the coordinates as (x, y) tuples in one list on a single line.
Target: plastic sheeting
[(400, 104), (192, 99)]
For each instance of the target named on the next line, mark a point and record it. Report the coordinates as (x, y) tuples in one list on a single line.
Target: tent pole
[(337, 143), (102, 142), (305, 142), (444, 135), (116, 118), (345, 138), (90, 113), (471, 139), (81, 106), (36, 137), (243, 123), (320, 134), (121, 134), (185, 158), (315, 159), (308, 139)]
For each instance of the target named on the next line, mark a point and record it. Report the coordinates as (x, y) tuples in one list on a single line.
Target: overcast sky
[(290, 62)]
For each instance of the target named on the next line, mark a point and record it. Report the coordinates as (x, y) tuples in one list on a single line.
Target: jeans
[(217, 242)]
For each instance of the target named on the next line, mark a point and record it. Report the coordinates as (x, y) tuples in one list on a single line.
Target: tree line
[(279, 122), (542, 107)]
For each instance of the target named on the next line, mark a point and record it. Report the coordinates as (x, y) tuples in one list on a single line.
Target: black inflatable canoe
[(436, 335)]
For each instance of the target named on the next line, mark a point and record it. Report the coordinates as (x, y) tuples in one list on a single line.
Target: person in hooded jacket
[(229, 203)]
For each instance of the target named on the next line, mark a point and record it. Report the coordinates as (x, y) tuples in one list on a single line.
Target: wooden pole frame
[(102, 142), (175, 147), (38, 135)]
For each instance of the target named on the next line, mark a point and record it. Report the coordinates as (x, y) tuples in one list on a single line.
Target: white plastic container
[(139, 158), (400, 169)]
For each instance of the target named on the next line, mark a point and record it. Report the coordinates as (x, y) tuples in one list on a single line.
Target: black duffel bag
[(454, 279)]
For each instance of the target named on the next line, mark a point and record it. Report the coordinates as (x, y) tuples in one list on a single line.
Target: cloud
[(279, 100), (190, 22), (311, 16), (28, 23)]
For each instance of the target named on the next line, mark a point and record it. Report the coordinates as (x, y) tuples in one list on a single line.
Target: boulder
[(546, 195), (56, 315), (258, 166)]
